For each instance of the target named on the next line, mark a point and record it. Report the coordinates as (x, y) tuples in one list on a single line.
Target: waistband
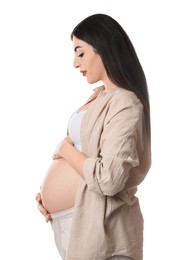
[(68, 213)]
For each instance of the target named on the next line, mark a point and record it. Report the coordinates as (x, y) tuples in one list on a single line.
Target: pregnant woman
[(89, 191)]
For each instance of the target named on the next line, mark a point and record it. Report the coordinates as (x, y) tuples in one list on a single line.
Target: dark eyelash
[(81, 55)]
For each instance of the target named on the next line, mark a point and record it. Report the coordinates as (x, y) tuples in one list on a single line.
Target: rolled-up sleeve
[(108, 173)]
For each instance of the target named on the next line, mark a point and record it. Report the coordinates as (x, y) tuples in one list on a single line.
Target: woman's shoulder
[(126, 98), (118, 98)]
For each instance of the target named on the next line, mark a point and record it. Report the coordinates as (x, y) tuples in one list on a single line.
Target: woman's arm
[(65, 149), (108, 172)]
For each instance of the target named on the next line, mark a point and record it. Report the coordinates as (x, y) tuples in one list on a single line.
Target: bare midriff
[(59, 186)]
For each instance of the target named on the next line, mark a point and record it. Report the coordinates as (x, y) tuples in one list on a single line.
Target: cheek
[(98, 69), (95, 69)]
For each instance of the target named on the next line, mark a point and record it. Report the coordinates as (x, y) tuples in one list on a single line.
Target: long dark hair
[(119, 57)]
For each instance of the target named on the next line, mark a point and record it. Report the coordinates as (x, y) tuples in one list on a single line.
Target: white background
[(39, 89)]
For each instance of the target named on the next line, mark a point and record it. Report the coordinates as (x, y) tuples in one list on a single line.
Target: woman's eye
[(81, 55)]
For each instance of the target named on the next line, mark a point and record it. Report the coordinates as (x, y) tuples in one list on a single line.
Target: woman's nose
[(76, 63)]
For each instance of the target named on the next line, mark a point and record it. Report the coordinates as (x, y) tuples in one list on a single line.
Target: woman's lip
[(83, 73)]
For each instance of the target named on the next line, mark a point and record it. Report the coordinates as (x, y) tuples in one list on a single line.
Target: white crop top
[(74, 126)]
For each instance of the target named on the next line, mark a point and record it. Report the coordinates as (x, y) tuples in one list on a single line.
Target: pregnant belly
[(59, 187)]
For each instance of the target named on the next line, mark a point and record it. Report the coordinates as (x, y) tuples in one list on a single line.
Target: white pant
[(61, 224)]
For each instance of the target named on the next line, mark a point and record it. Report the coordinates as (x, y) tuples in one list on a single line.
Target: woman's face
[(88, 61)]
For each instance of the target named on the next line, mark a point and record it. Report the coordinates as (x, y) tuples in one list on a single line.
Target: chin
[(90, 81)]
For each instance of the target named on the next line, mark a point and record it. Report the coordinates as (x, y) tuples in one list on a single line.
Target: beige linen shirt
[(107, 218)]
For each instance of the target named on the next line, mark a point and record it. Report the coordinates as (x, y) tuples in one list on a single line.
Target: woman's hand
[(41, 208), (66, 150), (59, 151)]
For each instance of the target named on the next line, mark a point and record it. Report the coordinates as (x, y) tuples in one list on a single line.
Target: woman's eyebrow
[(77, 47)]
